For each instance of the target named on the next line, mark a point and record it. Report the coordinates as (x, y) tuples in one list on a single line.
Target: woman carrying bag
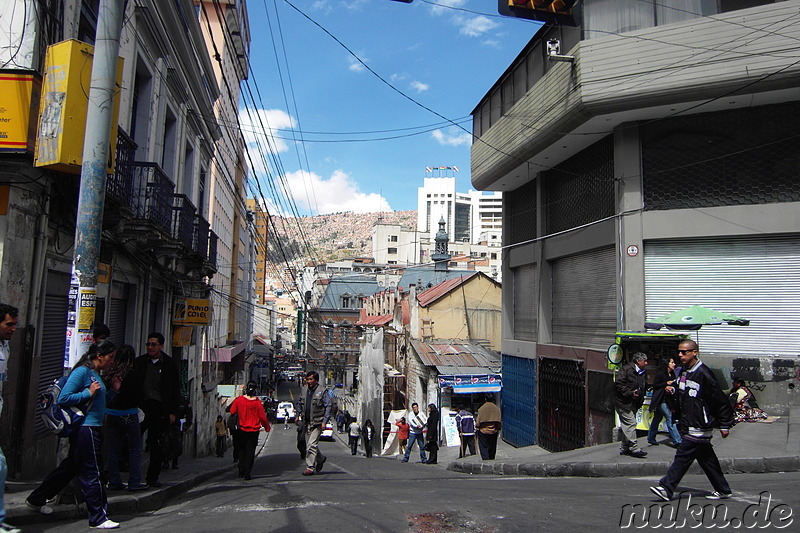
[(83, 387)]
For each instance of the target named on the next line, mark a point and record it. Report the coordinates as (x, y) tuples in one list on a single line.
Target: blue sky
[(443, 54)]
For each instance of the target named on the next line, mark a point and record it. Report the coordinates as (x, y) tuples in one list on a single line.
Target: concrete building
[(651, 167), (160, 221)]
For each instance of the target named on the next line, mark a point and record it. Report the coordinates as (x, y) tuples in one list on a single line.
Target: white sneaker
[(44, 509), (8, 528), (108, 524), (718, 495)]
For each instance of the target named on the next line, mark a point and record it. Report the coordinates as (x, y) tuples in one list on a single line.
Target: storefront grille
[(581, 189), (738, 157), (562, 418)]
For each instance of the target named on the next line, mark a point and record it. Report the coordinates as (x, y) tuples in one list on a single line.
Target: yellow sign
[(182, 336), (87, 302), (192, 312), (64, 102), (20, 90)]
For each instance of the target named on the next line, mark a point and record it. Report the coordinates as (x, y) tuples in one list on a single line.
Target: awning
[(472, 383), (226, 353)]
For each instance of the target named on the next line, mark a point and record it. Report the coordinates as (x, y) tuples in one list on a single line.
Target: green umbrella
[(693, 318)]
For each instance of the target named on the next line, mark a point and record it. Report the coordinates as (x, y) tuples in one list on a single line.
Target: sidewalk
[(751, 448), (191, 472)]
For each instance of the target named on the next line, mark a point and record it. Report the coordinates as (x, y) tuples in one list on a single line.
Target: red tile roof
[(428, 296)]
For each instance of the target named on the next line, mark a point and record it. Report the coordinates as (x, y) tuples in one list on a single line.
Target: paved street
[(384, 495)]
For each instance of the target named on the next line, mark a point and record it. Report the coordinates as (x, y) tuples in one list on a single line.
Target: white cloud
[(470, 25), (337, 193), (355, 65), (419, 86), (259, 128), (476, 26), (453, 137)]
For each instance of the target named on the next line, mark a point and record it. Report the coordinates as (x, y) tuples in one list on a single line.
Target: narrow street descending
[(382, 494)]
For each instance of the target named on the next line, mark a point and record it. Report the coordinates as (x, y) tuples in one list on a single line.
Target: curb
[(739, 465), (123, 504)]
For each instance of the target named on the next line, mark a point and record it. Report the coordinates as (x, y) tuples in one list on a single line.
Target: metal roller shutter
[(526, 303), (118, 320), (53, 346), (585, 299), (754, 278)]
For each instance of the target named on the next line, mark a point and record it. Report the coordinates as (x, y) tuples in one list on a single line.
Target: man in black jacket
[(158, 377), (702, 406), (629, 389)]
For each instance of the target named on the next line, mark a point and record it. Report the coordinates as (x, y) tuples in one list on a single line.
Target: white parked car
[(282, 409), (327, 432)]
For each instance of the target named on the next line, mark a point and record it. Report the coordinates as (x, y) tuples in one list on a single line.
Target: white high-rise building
[(469, 218)]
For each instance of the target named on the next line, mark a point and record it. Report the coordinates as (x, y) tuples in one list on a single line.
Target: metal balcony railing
[(200, 241), (152, 195), (212, 248), (119, 184), (183, 214)]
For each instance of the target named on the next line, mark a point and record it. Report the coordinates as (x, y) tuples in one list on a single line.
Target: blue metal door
[(519, 400)]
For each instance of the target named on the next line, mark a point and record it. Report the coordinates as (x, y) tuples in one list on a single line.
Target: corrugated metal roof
[(451, 353), (437, 291), (375, 320)]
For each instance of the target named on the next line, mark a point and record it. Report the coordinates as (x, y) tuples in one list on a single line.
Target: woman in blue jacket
[(83, 388)]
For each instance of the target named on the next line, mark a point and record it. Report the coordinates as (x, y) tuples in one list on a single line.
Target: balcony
[(152, 196), (212, 249), (183, 220), (201, 236), (119, 185)]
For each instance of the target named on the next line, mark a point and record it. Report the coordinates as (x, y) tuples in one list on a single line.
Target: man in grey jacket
[(315, 409)]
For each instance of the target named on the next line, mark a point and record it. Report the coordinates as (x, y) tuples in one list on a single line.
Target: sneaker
[(652, 443), (44, 509), (639, 454), (8, 528), (661, 492), (308, 472), (716, 495), (108, 524), (320, 464)]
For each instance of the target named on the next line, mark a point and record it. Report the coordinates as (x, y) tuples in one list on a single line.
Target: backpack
[(61, 420)]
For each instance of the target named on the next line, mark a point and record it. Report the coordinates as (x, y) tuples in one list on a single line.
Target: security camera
[(553, 47)]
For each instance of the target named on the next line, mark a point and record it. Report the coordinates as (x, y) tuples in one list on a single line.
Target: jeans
[(487, 445), (419, 438), (664, 412), (121, 429), (353, 442), (221, 445), (83, 460), (3, 474)]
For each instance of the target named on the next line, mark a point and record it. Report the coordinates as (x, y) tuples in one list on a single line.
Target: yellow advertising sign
[(20, 90), (64, 102), (192, 312), (182, 336)]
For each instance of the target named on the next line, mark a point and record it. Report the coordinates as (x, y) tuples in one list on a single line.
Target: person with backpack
[(84, 388)]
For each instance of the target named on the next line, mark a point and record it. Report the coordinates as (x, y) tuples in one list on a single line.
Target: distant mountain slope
[(331, 237)]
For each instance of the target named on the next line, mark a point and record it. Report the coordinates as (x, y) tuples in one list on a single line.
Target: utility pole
[(91, 196)]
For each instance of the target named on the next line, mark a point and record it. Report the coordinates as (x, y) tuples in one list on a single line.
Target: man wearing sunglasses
[(160, 393), (702, 406)]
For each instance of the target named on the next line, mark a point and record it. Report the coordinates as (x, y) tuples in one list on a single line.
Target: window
[(392, 238), (346, 301), (392, 251)]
